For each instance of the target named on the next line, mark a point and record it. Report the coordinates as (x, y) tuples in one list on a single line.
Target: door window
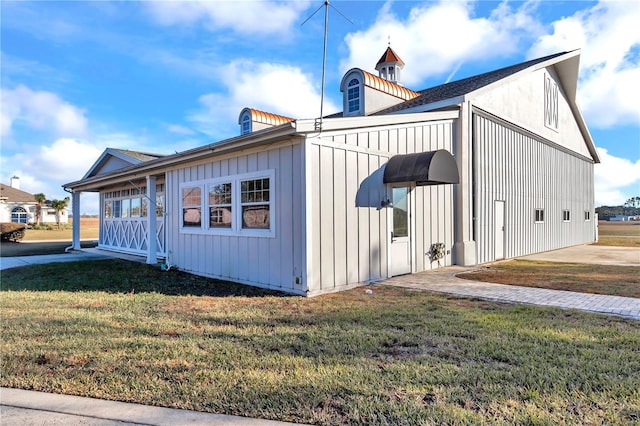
[(400, 213)]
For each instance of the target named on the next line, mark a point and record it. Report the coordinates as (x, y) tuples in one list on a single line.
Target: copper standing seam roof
[(388, 87), (269, 118), (390, 56)]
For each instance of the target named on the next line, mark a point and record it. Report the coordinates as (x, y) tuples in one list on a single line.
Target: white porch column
[(75, 209), (152, 221)]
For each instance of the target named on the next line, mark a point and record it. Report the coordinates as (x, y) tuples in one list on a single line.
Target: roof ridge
[(466, 85), (152, 154)]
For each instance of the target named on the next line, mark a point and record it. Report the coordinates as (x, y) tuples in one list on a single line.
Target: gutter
[(261, 137), (229, 145)]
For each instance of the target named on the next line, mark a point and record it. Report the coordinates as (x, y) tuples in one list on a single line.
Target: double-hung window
[(220, 205), (234, 205), (192, 207), (254, 199)]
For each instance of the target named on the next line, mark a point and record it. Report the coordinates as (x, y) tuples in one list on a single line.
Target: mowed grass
[(618, 241), (629, 229), (89, 229), (599, 279), (620, 234), (123, 331)]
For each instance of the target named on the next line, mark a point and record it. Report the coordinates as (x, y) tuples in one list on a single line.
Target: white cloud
[(609, 38), (279, 89), (616, 179), (245, 17), (180, 130), (45, 168), (436, 37), (40, 110)]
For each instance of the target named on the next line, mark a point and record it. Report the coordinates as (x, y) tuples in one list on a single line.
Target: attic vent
[(550, 102)]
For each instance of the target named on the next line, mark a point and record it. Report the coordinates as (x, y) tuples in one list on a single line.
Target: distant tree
[(632, 202), (40, 200), (58, 206)]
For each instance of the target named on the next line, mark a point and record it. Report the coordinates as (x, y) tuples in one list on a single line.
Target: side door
[(400, 239)]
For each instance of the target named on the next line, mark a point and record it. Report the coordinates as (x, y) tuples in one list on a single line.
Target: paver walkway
[(443, 280)]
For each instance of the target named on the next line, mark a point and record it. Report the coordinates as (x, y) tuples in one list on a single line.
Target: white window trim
[(587, 216), (236, 206), (535, 216), (360, 85), (568, 214)]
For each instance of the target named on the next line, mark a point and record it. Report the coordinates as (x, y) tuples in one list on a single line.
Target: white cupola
[(389, 66)]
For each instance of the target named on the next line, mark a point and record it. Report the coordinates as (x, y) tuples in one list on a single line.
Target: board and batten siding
[(269, 262), (528, 173), (348, 232)]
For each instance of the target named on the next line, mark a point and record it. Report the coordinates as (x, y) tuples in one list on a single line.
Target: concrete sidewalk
[(22, 407), (14, 262)]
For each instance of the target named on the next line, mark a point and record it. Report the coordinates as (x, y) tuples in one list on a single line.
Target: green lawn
[(123, 331), (613, 280)]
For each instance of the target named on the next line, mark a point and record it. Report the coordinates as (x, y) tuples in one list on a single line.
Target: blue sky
[(78, 77)]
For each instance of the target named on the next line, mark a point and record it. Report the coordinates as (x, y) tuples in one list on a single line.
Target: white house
[(21, 207), (490, 167)]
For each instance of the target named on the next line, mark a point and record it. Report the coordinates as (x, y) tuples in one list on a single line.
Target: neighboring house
[(20, 206), (623, 218), (490, 167)]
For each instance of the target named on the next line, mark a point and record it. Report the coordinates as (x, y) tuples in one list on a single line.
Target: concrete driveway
[(601, 255)]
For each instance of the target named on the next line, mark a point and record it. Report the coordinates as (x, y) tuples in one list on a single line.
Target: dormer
[(252, 120), (389, 66), (366, 94)]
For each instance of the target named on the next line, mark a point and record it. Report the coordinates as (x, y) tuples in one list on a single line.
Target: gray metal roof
[(138, 155), (464, 86)]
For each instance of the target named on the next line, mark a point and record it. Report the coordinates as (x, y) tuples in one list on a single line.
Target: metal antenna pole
[(324, 53), (324, 59)]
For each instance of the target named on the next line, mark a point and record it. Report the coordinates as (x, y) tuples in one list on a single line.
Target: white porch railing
[(131, 236)]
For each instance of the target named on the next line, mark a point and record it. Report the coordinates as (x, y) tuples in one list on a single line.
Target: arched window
[(19, 215), (246, 124), (353, 96)]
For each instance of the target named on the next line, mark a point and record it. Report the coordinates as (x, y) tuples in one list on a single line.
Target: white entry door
[(499, 230), (400, 246)]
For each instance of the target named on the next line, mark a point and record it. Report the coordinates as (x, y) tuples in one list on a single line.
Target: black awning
[(424, 168)]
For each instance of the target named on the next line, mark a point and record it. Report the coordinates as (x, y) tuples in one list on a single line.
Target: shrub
[(12, 231)]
